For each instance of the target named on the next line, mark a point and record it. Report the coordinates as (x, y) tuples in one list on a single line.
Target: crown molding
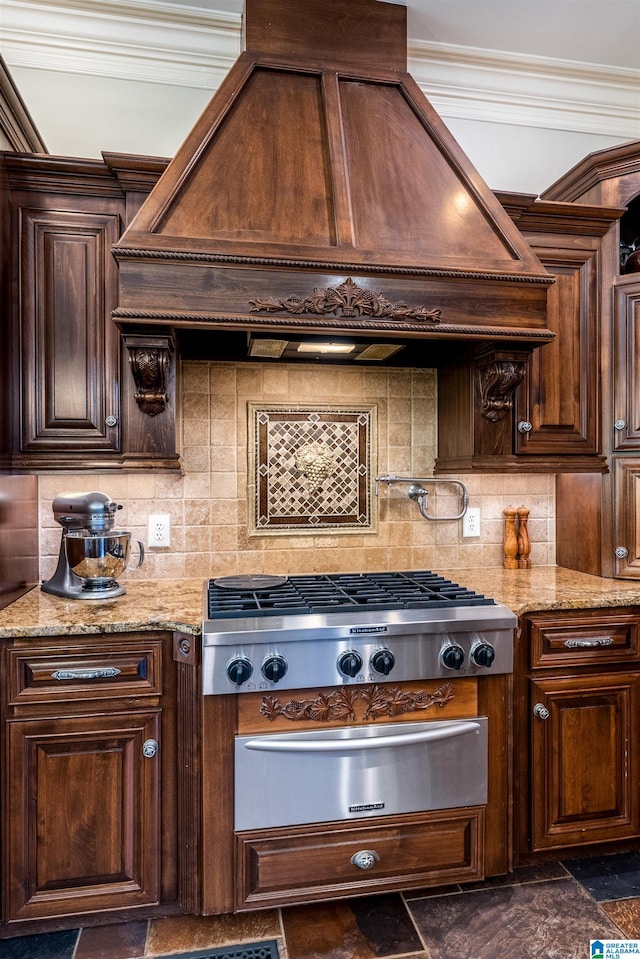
[(128, 41), (493, 86), (148, 41)]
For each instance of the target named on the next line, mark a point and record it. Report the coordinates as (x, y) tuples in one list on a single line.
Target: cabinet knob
[(621, 552), (111, 420), (365, 859), (620, 425), (524, 426), (541, 711), (149, 748)]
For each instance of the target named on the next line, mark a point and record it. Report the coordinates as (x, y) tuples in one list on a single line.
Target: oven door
[(344, 773)]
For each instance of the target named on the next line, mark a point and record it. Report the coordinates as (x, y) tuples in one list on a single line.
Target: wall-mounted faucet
[(418, 493)]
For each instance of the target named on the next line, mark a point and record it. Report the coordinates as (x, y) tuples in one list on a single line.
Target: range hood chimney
[(319, 193)]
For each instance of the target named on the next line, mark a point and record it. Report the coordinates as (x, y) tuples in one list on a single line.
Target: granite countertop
[(146, 605), (177, 604)]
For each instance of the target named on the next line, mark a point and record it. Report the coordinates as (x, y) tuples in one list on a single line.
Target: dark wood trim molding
[(15, 121)]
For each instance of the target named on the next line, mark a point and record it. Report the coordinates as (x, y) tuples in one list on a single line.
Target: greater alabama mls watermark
[(614, 948)]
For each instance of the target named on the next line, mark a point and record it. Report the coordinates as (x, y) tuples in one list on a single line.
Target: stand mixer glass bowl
[(98, 558)]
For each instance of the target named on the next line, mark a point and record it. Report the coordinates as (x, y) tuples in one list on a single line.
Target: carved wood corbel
[(499, 376), (150, 362)]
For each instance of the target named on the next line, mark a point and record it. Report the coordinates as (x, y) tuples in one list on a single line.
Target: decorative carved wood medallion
[(348, 299), (340, 704)]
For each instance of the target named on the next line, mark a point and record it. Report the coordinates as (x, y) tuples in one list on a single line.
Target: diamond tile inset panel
[(312, 468)]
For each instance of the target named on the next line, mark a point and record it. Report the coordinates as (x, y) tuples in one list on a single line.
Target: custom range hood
[(320, 194)]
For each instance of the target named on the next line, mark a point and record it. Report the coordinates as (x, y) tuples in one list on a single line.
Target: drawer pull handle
[(108, 672), (365, 859), (430, 733), (541, 711), (588, 643)]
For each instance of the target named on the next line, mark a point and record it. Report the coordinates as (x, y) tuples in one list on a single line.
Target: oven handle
[(375, 742)]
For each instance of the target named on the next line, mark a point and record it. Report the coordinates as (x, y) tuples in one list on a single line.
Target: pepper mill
[(524, 544), (510, 544)]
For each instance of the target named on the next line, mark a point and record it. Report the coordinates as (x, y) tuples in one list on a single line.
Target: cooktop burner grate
[(327, 593)]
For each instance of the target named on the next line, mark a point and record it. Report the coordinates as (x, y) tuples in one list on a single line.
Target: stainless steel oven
[(356, 772), (352, 636)]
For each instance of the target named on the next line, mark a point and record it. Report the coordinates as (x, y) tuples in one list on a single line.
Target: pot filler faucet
[(418, 493)]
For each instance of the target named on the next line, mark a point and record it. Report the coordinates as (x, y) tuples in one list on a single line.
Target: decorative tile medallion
[(311, 468)]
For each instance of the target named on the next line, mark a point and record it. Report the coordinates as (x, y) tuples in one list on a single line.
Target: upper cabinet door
[(626, 378), (78, 394), (70, 349), (559, 398)]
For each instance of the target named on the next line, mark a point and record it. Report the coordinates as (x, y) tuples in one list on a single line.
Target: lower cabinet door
[(84, 817), (333, 860), (584, 765)]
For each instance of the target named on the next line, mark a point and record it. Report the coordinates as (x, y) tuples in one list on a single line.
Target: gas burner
[(271, 596)]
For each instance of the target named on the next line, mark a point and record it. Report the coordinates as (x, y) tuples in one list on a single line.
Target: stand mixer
[(92, 553)]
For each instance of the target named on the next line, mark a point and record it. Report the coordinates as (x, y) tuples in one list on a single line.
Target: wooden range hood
[(320, 194)]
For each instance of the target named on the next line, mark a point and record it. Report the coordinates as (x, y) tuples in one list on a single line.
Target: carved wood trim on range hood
[(319, 162)]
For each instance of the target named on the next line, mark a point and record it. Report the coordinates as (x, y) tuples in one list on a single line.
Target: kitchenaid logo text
[(363, 807), (368, 629)]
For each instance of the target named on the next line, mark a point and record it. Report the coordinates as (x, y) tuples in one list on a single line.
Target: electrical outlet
[(159, 530), (471, 522)]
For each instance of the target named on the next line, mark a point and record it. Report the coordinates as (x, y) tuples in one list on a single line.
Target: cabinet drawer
[(84, 672), (306, 863), (604, 637)]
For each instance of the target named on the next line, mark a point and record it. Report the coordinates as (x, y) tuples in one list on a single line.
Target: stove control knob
[(383, 661), (452, 656), (350, 663), (274, 668), (239, 670), (483, 654)]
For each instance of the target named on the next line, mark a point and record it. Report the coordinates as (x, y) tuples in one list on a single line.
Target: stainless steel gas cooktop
[(266, 632)]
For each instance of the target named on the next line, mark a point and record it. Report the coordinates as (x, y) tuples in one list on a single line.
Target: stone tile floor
[(549, 911)]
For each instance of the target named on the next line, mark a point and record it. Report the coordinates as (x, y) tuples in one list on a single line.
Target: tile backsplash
[(208, 504)]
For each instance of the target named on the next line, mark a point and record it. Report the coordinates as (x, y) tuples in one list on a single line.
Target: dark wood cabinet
[(578, 781), (626, 532), (583, 794), (559, 397), (305, 863), (626, 365), (89, 795), (79, 405), (598, 518), (537, 409), (83, 814), (70, 346)]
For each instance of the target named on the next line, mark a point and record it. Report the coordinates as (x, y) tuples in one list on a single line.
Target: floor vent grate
[(253, 950)]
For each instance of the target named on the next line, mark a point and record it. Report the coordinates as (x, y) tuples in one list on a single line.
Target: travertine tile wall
[(208, 503)]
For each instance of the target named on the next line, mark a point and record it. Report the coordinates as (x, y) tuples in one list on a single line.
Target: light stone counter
[(146, 605), (547, 587), (177, 604)]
